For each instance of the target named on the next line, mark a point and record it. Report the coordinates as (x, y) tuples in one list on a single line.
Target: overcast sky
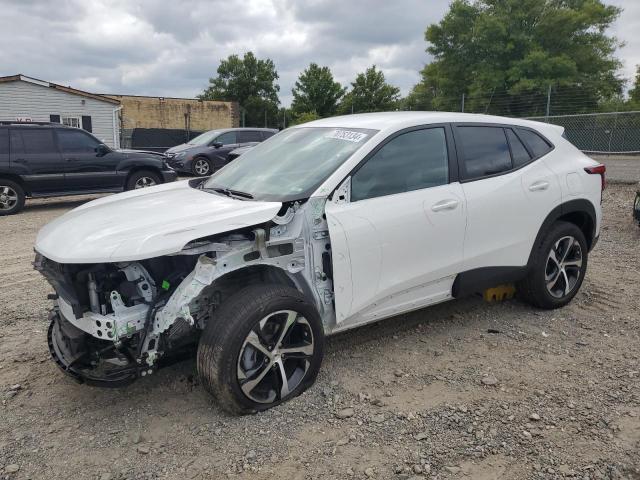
[(171, 48)]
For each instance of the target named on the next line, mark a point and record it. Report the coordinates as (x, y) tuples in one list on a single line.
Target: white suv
[(324, 227)]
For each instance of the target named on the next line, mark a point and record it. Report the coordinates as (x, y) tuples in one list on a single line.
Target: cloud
[(153, 47)]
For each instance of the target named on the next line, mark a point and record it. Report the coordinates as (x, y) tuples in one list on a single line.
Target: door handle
[(20, 160), (445, 205), (537, 186)]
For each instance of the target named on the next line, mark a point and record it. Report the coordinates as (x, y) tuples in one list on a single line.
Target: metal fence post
[(462, 110), (548, 103)]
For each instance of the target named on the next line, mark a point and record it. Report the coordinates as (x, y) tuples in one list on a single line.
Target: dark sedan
[(208, 152)]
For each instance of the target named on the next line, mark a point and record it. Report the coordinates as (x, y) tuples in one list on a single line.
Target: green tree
[(505, 54), (370, 92), (252, 83), (304, 117), (316, 91), (634, 93), (420, 98)]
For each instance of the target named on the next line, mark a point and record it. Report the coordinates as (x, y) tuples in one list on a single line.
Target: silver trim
[(563, 267), (268, 359), (8, 198)]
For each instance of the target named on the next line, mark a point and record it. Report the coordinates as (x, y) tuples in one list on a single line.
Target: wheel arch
[(138, 168), (259, 273), (16, 179), (580, 212)]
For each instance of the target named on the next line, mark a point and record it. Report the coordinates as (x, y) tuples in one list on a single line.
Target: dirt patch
[(566, 401)]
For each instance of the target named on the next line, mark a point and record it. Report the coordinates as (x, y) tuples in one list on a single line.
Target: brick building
[(162, 122)]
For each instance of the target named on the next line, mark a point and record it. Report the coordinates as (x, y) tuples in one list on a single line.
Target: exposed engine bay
[(115, 322)]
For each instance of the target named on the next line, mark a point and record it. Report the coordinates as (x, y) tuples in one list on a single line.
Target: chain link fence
[(600, 133)]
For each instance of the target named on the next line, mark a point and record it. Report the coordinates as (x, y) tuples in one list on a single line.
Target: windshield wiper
[(229, 192)]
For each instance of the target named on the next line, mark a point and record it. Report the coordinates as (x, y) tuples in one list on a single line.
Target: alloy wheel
[(275, 356), (144, 182), (564, 267), (8, 198), (201, 166)]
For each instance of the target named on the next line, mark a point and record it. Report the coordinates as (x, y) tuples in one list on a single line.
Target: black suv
[(208, 152), (49, 159)]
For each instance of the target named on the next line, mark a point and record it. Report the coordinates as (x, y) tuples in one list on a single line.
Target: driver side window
[(226, 138), (75, 141), (411, 161)]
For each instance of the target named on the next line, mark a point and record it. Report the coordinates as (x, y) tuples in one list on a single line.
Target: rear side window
[(249, 136), (518, 151), (32, 141), (486, 151), (4, 141), (537, 145), (266, 135), (411, 161), (227, 138)]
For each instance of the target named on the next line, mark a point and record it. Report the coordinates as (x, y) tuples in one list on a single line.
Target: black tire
[(534, 289), (199, 162), (11, 197), (136, 178), (225, 338)]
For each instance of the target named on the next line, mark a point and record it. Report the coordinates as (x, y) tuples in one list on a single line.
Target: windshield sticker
[(347, 135)]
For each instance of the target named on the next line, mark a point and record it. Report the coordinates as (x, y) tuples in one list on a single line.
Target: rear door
[(398, 230), (249, 137), (86, 168), (35, 156), (509, 193)]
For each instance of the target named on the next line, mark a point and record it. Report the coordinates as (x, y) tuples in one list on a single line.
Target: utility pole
[(265, 118), (462, 103), (548, 102)]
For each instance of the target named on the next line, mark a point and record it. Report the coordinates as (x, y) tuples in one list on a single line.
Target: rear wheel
[(143, 179), (263, 346), (201, 167), (558, 267), (11, 197)]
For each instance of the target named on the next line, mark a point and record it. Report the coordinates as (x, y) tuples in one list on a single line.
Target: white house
[(29, 99)]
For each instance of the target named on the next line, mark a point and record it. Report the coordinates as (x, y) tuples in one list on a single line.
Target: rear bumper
[(169, 176)]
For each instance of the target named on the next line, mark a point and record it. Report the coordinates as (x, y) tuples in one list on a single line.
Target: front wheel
[(142, 179), (201, 167), (559, 264), (263, 346), (11, 197)]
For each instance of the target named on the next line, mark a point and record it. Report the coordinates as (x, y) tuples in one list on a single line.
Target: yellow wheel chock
[(499, 293)]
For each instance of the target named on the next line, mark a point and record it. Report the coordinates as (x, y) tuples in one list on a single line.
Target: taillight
[(598, 170)]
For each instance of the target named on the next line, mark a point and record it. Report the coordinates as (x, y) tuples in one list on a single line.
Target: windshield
[(291, 164), (204, 138)]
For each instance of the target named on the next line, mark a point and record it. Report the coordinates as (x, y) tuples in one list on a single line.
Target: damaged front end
[(104, 330), (115, 322)]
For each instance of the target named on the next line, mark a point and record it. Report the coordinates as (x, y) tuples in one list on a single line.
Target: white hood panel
[(146, 223)]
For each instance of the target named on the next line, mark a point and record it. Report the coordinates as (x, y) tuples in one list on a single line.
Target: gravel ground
[(464, 389)]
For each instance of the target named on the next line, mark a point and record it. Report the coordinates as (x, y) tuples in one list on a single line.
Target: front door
[(35, 156), (397, 230), (226, 142), (87, 169)]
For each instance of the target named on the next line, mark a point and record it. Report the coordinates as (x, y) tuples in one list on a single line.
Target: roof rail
[(20, 122)]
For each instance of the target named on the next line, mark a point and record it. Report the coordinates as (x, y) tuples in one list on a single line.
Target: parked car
[(50, 160), (233, 154), (328, 226), (210, 151)]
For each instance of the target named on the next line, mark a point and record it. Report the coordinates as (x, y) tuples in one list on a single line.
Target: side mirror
[(216, 144), (102, 149)]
